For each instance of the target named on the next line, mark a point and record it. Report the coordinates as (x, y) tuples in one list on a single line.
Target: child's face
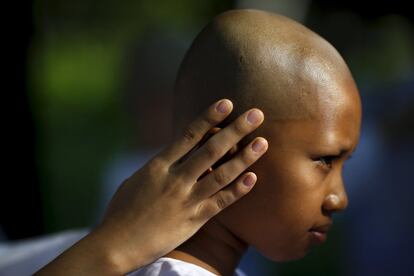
[(300, 181)]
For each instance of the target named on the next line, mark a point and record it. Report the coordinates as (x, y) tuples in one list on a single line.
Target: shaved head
[(312, 123), (259, 59)]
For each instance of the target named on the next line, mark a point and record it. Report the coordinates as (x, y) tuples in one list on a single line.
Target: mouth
[(319, 233)]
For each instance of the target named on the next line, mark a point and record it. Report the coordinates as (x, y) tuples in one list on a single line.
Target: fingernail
[(254, 117), (258, 145), (223, 107), (249, 180)]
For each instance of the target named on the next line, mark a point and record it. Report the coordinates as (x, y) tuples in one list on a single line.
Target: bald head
[(312, 119), (259, 59)]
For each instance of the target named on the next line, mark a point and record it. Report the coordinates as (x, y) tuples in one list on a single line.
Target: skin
[(313, 117), (172, 191)]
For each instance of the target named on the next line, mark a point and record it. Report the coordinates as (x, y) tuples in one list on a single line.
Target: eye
[(326, 161)]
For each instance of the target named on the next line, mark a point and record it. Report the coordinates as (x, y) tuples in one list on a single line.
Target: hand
[(171, 197)]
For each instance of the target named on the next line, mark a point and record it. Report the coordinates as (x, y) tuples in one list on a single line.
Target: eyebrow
[(344, 151)]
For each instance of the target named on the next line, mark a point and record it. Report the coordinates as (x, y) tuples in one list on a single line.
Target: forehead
[(336, 126)]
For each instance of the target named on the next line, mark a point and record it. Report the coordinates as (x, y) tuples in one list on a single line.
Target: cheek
[(294, 184), (290, 191), (277, 214)]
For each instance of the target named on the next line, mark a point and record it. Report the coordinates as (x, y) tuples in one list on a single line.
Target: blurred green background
[(75, 72)]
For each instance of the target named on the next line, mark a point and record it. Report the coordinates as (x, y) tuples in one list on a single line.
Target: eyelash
[(326, 161)]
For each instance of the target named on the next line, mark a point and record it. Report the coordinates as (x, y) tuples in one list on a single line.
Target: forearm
[(95, 254)]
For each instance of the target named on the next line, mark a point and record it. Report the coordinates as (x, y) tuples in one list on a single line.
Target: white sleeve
[(171, 267)]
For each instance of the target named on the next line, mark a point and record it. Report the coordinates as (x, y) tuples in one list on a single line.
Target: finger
[(229, 171), (196, 130), (205, 138), (221, 200), (217, 146), (210, 133)]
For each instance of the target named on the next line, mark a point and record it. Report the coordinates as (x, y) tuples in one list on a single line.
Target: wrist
[(104, 253), (113, 254)]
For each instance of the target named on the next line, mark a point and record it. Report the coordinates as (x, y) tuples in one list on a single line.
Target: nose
[(336, 200)]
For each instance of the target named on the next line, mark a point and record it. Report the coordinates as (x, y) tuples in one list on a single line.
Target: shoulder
[(171, 267)]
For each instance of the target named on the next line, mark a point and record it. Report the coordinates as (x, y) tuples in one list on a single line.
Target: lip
[(319, 234), (318, 238)]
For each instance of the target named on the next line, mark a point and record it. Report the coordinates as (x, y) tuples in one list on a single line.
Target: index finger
[(196, 130)]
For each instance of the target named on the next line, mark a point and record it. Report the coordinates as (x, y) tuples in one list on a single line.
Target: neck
[(213, 248)]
